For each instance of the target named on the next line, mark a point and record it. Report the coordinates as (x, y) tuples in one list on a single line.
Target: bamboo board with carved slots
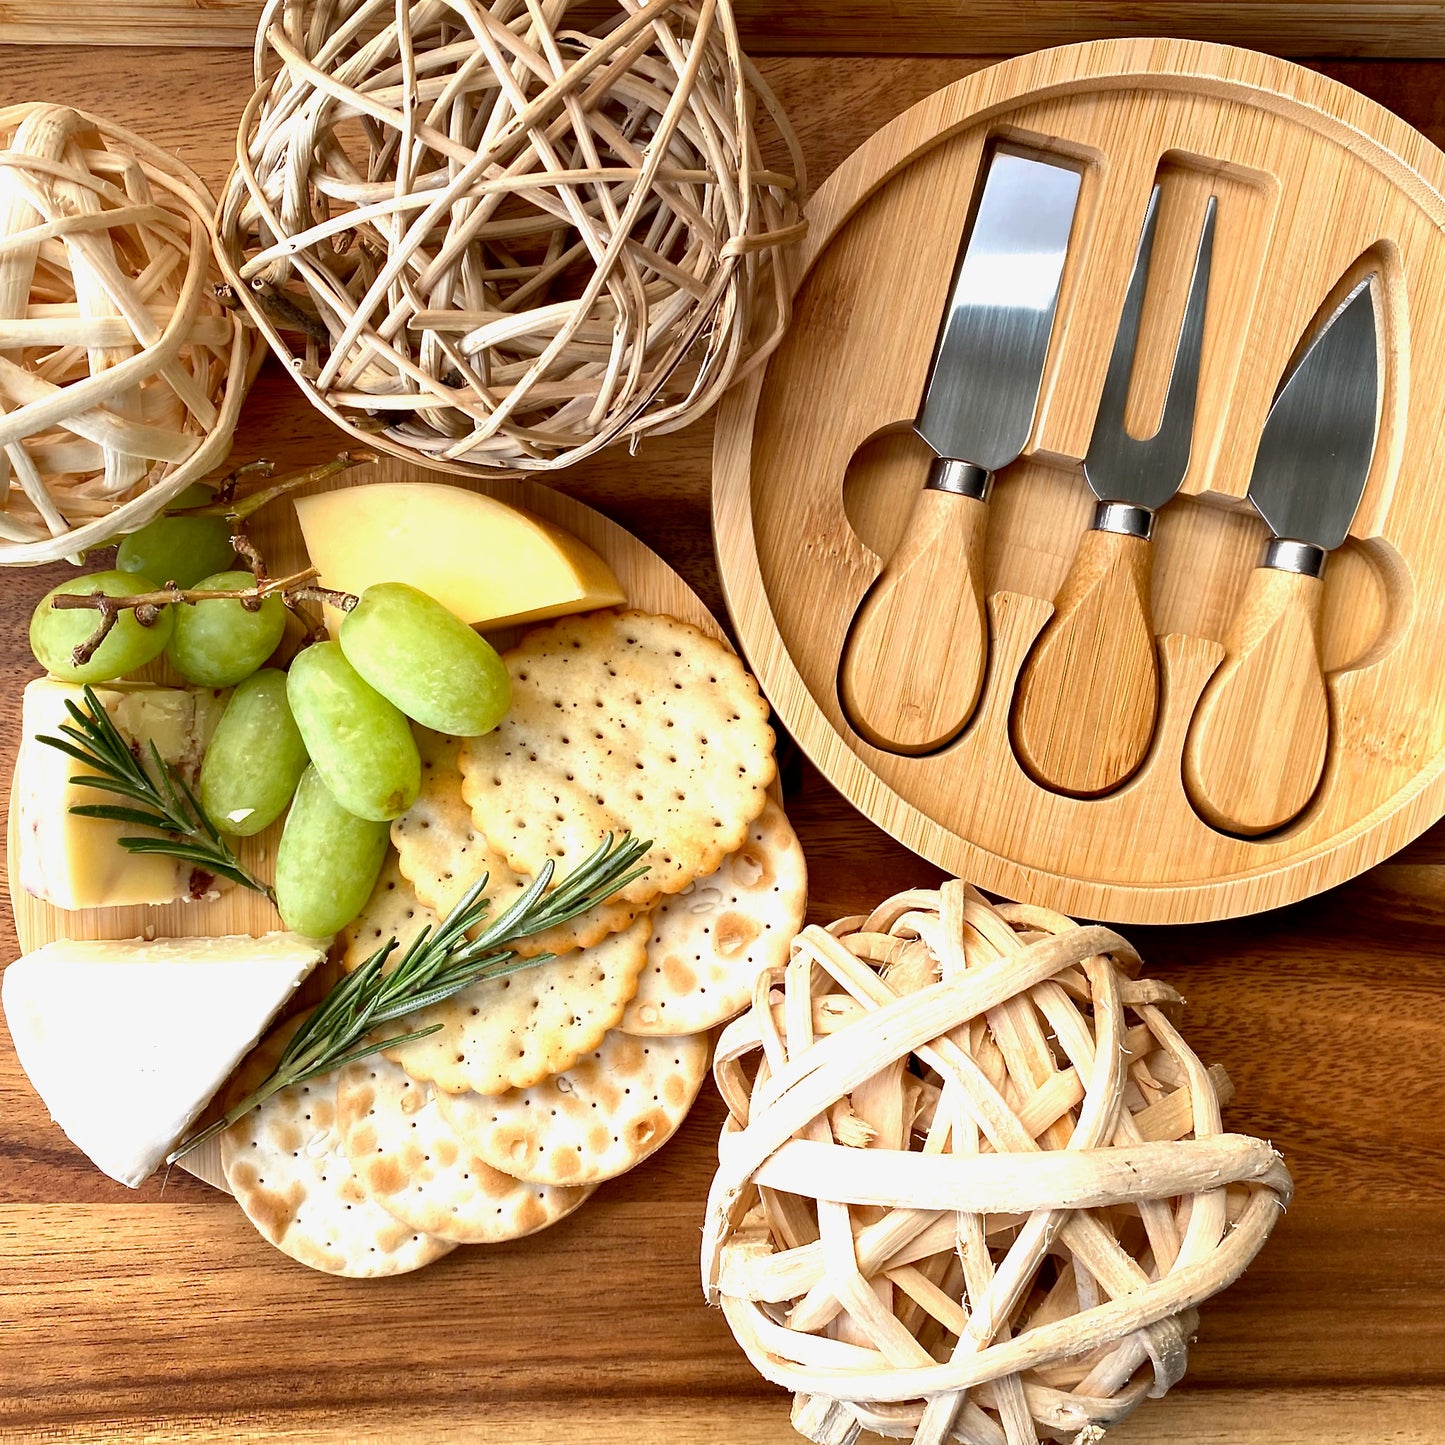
[(816, 466)]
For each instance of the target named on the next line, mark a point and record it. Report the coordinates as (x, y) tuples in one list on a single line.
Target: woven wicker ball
[(973, 1183), (481, 236), (121, 375)]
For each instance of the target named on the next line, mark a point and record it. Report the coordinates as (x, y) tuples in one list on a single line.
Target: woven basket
[(479, 237), (977, 1184), (121, 376)]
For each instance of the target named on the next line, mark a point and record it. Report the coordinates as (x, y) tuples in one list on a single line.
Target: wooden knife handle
[(912, 667), (1088, 696), (1257, 742)]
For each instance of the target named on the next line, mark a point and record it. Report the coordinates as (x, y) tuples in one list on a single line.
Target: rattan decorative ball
[(482, 236), (974, 1182), (121, 375)]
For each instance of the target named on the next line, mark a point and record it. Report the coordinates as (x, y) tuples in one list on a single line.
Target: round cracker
[(441, 854), (594, 1121), (392, 911), (414, 1164), (623, 722), (507, 1033), (285, 1164), (710, 942)]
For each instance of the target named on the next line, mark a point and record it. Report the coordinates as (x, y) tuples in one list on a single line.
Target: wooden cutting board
[(160, 1314)]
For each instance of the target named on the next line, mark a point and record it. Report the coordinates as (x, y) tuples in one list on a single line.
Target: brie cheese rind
[(78, 862), (126, 1043)]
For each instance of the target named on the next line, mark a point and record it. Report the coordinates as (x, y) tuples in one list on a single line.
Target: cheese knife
[(913, 664), (1088, 695), (1259, 736)]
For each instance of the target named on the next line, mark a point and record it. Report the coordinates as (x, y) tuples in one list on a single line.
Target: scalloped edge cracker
[(623, 722), (285, 1164), (710, 942), (392, 911), (596, 1120), (509, 1033), (411, 1161), (441, 854)]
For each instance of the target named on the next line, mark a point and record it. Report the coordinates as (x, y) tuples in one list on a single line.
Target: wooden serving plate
[(650, 585), (816, 465)]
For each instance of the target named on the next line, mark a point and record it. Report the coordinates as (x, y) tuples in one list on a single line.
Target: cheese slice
[(78, 862), (490, 563), (127, 1042)]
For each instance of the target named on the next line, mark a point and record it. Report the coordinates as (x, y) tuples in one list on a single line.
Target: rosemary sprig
[(435, 965), (163, 799)]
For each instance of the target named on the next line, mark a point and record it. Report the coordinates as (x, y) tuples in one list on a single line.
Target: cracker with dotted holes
[(504, 1033), (392, 911), (594, 1121), (711, 941), (413, 1163), (286, 1166), (623, 722), (441, 854)]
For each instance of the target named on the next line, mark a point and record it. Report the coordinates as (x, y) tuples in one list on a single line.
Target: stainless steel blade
[(1146, 471), (989, 364), (1319, 438)]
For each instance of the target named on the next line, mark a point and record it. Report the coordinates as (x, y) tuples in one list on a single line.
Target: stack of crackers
[(540, 1086)]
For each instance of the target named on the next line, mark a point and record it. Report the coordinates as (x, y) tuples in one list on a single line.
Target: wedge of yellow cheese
[(78, 862), (490, 563)]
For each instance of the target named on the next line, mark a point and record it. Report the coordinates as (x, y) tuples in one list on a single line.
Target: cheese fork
[(1088, 695)]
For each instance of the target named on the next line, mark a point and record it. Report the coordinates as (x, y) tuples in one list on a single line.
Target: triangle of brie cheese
[(127, 1042)]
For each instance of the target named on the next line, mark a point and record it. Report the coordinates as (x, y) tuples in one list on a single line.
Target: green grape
[(198, 494), (360, 744), (54, 635), (178, 549), (255, 757), (217, 643), (328, 861), (426, 660)]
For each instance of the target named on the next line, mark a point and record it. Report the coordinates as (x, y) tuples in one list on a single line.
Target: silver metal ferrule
[(963, 479), (1286, 556), (1122, 517)]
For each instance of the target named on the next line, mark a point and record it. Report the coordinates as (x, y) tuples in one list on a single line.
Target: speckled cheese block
[(710, 942), (413, 1163), (623, 722), (596, 1120), (441, 854), (285, 1163)]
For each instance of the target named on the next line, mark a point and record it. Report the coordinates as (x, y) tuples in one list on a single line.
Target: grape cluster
[(330, 739)]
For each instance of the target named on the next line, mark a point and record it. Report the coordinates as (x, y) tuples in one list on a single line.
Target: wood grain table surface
[(159, 1315)]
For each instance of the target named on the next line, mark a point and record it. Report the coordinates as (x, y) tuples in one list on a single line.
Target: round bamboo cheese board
[(817, 466), (651, 585)]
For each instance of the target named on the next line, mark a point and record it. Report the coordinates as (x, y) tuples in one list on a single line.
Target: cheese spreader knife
[(1088, 695), (1259, 736), (913, 664)]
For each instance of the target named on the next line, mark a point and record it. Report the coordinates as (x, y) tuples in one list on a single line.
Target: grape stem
[(148, 606), (246, 549), (226, 505)]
